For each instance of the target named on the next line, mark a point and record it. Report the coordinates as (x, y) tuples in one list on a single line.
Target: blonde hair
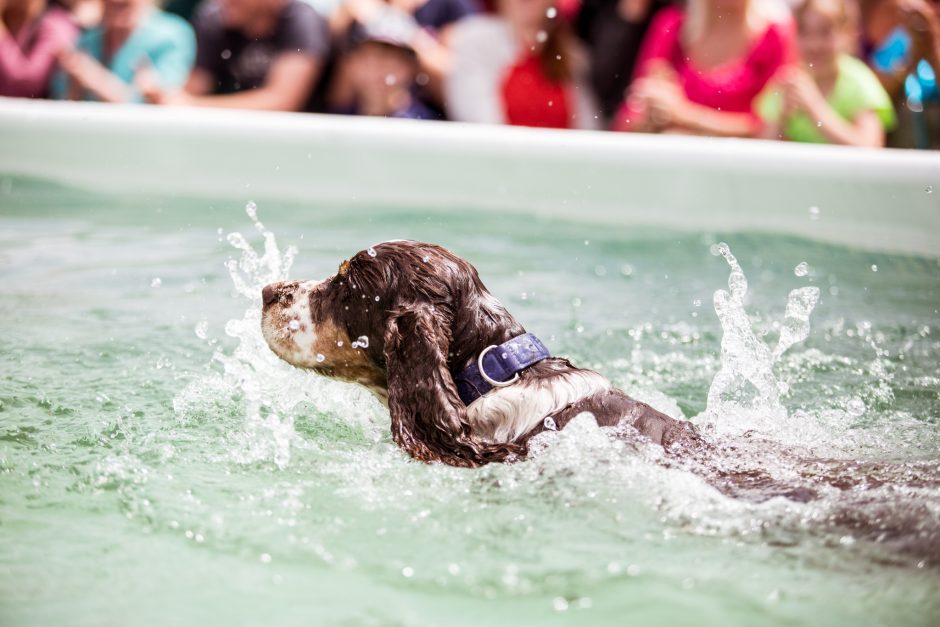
[(845, 13), (759, 13)]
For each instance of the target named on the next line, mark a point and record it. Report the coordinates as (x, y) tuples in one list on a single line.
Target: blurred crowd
[(854, 72)]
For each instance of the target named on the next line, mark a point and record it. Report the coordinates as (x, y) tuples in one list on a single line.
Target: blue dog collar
[(499, 365)]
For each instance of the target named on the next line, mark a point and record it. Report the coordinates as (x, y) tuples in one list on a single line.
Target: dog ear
[(429, 420)]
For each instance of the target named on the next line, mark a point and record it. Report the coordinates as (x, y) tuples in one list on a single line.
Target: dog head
[(399, 318)]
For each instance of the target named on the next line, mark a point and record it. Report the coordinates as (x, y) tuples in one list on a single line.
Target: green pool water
[(158, 466)]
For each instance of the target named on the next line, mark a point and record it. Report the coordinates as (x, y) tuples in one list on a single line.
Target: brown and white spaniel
[(464, 383)]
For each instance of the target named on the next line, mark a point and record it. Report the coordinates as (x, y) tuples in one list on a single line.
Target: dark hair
[(554, 56)]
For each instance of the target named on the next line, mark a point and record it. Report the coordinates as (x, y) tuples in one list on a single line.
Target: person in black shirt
[(253, 54)]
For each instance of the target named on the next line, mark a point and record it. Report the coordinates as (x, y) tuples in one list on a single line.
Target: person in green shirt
[(831, 97)]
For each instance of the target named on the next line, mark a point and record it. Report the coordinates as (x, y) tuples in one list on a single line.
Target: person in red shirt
[(522, 67), (701, 68)]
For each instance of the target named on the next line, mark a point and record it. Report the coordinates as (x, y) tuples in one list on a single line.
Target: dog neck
[(507, 413)]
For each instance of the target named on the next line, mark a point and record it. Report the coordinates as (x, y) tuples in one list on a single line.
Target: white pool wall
[(885, 200)]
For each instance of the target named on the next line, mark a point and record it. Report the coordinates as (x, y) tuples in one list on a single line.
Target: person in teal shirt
[(833, 98), (134, 38)]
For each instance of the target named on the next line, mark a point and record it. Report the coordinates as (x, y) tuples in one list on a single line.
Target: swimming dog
[(464, 383)]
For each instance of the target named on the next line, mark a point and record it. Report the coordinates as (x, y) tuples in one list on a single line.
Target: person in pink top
[(701, 68), (30, 39)]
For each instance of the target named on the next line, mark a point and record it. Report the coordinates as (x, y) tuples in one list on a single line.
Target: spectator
[(430, 24), (520, 67), (382, 68), (701, 68), (133, 36), (834, 97), (254, 54), (31, 37), (613, 31), (901, 42)]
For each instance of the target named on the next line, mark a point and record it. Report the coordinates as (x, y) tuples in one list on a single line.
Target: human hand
[(923, 24), (800, 93), (147, 82), (660, 94), (81, 69)]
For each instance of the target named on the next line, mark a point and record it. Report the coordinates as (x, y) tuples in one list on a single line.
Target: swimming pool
[(160, 465)]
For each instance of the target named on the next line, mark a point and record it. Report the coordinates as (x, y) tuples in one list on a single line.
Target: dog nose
[(268, 294)]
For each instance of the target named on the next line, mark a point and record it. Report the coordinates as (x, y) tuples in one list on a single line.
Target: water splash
[(745, 394), (252, 272), (268, 389)]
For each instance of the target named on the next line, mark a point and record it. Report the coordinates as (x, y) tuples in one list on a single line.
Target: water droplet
[(202, 329), (929, 189), (408, 571), (371, 252), (818, 124), (453, 569), (551, 13), (390, 79), (814, 213), (339, 343), (626, 270), (541, 37), (575, 302), (855, 407), (361, 342), (846, 540), (874, 267), (293, 325), (550, 424), (265, 558), (376, 299), (560, 604), (425, 259), (697, 302), (252, 210), (156, 282), (320, 358), (801, 269)]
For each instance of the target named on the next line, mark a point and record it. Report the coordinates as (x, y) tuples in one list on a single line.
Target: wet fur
[(427, 316)]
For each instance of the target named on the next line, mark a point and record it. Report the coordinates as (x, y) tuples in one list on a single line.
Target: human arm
[(664, 107), (28, 73), (800, 93), (86, 75), (288, 85)]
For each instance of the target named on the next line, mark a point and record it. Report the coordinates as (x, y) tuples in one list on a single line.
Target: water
[(160, 465)]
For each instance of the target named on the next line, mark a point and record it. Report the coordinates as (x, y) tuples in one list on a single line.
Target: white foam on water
[(268, 389), (602, 468), (745, 393)]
